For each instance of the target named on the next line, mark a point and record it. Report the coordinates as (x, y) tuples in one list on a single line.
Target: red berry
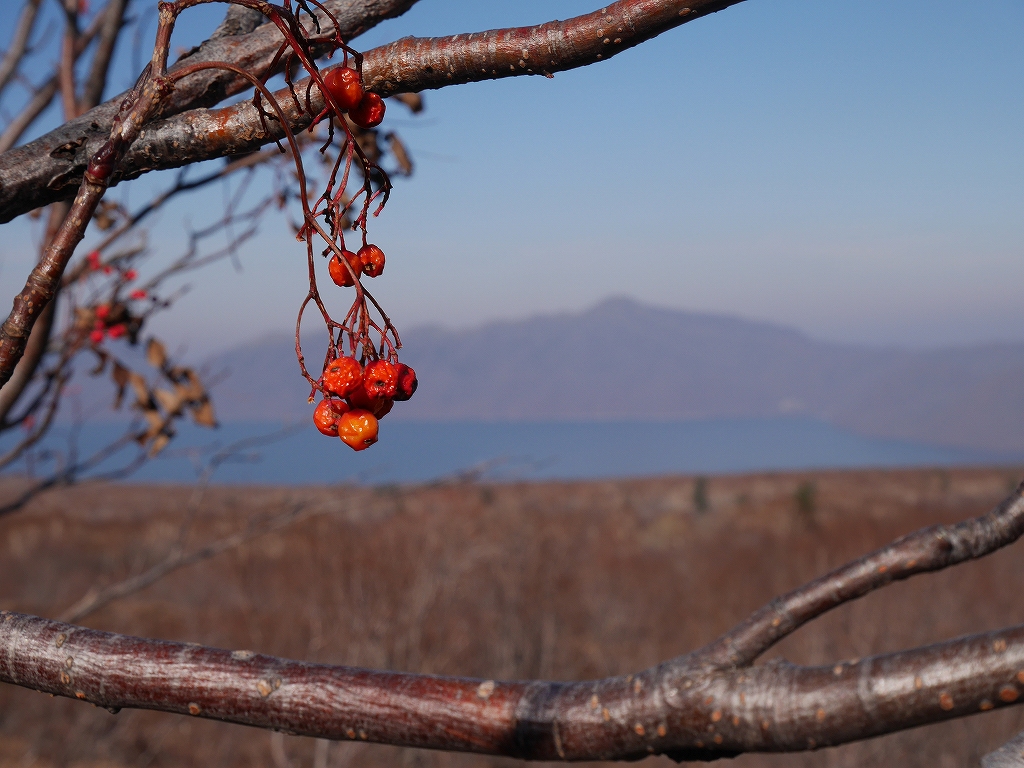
[(139, 294), (345, 86), (358, 429), (372, 259), (342, 375), (94, 260), (378, 406), (380, 379), (407, 382), (107, 269), (131, 274), (369, 113), (340, 274), (96, 337), (102, 311), (326, 415), (116, 331)]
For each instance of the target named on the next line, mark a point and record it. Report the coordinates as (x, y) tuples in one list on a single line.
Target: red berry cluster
[(368, 260), (357, 396), (345, 86)]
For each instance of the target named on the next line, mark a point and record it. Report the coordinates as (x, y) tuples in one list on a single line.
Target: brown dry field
[(555, 580)]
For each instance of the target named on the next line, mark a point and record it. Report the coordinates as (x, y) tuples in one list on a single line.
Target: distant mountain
[(624, 360)]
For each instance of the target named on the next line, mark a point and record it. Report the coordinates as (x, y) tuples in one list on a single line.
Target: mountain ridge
[(623, 360)]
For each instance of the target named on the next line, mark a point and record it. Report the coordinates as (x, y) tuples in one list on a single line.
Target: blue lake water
[(418, 452)]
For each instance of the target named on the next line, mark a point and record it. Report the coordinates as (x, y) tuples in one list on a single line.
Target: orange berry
[(380, 379), (358, 429), (372, 259), (378, 406), (345, 86), (340, 274), (326, 415), (369, 113), (407, 382), (342, 375)]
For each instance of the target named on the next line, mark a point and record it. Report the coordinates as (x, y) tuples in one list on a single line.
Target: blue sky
[(853, 171)]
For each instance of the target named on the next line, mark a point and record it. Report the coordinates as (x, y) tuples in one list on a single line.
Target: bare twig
[(95, 599), (113, 20), (19, 43)]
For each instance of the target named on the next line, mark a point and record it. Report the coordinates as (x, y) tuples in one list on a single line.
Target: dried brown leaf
[(171, 402), (121, 377), (203, 415), (143, 398), (156, 354), (411, 100), (400, 153)]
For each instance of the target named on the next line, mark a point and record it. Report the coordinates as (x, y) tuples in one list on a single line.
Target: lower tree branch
[(701, 706)]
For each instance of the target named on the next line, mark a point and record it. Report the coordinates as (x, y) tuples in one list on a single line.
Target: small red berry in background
[(378, 406), (372, 259), (380, 379), (340, 274), (407, 382), (96, 337), (108, 270), (342, 375), (327, 414), (345, 86), (139, 294), (369, 113), (102, 311), (94, 260), (358, 429), (131, 274), (117, 331)]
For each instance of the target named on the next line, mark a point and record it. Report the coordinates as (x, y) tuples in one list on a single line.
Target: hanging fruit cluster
[(361, 377), (355, 185)]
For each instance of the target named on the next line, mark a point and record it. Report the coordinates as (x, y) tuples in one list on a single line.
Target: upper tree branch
[(28, 180), (51, 167)]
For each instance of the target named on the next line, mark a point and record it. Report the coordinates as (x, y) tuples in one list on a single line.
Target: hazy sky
[(853, 171)]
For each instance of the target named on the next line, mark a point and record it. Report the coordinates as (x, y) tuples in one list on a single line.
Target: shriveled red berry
[(372, 259), (342, 375), (340, 274), (96, 337), (407, 382), (326, 415), (369, 113), (358, 429), (345, 86), (378, 406), (380, 379)]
